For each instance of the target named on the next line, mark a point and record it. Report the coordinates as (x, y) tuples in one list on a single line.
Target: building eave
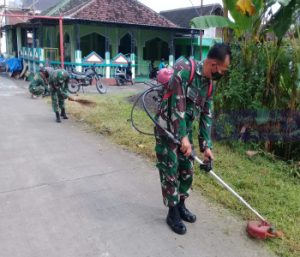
[(69, 21)]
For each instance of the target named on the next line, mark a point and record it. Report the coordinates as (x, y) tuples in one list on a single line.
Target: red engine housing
[(261, 230)]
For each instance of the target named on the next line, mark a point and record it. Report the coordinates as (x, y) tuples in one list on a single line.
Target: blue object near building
[(14, 64)]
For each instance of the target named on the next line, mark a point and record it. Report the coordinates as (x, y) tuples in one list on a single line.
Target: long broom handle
[(231, 190)]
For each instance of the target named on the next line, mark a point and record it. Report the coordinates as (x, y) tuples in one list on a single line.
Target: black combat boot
[(57, 117), (185, 214), (174, 221), (63, 114)]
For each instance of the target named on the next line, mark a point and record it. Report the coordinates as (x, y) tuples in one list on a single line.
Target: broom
[(82, 101)]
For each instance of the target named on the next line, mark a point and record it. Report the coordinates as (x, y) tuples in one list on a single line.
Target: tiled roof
[(116, 11), (183, 16), (40, 5)]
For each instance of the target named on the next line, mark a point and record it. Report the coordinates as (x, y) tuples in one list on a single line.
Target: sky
[(161, 5)]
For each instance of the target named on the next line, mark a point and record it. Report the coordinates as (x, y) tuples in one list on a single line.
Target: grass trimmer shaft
[(258, 229)]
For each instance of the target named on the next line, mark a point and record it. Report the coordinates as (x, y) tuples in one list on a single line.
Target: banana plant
[(212, 21), (253, 18), (281, 21)]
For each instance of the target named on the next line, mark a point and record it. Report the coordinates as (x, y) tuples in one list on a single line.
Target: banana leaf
[(282, 2), (211, 21), (244, 22), (282, 20)]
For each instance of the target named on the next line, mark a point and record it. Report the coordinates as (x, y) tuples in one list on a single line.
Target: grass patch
[(264, 182), (110, 117)]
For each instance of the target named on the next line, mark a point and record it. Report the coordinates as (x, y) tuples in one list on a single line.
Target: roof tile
[(117, 11), (183, 16)]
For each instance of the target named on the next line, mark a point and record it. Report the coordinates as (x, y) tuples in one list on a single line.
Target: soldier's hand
[(207, 165), (208, 155), (186, 147)]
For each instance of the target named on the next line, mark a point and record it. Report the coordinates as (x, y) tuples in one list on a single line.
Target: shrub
[(260, 96)]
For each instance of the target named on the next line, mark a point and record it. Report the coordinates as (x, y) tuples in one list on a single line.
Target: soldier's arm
[(64, 89), (50, 81), (37, 81), (205, 122), (53, 81), (177, 108), (32, 84), (41, 82)]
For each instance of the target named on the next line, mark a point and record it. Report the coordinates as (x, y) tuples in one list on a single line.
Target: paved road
[(65, 192)]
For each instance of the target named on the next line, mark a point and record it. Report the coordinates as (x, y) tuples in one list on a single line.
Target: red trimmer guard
[(262, 230)]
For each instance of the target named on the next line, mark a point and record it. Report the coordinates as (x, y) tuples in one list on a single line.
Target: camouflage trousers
[(47, 91), (37, 91), (175, 170), (58, 100)]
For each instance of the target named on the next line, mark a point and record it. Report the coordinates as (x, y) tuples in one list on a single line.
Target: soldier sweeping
[(188, 96), (58, 82), (39, 84)]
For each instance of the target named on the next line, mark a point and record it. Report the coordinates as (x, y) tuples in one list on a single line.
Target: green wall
[(184, 43), (50, 39), (114, 34), (143, 37)]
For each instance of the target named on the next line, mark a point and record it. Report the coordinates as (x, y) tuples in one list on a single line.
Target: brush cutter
[(261, 229)]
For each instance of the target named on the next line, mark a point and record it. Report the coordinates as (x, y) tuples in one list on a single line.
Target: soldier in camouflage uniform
[(58, 82), (39, 84), (183, 102)]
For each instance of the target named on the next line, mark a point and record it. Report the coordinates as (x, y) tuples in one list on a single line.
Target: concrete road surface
[(65, 192)]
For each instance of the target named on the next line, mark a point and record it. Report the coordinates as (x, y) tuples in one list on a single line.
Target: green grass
[(264, 182)]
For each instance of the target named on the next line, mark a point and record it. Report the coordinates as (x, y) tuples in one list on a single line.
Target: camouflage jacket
[(187, 102), (38, 80), (60, 87)]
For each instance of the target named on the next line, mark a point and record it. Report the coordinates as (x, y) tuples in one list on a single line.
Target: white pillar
[(78, 59), (3, 42), (132, 58), (107, 62), (42, 56), (171, 60)]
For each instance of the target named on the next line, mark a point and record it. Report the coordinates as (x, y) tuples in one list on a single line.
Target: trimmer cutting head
[(262, 230)]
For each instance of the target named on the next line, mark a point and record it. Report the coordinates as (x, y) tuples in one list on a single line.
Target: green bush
[(261, 93), (243, 87)]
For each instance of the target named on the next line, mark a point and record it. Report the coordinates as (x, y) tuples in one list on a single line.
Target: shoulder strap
[(210, 89), (193, 69), (168, 94)]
